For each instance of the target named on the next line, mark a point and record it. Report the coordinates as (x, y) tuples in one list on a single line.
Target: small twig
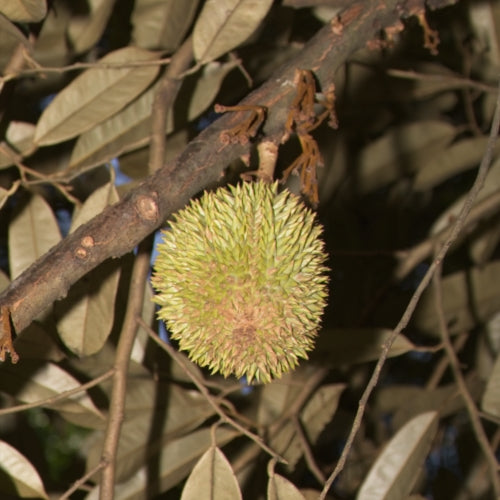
[(409, 259), (405, 318), (431, 37), (80, 482), (41, 178), (472, 410), (301, 399), (163, 102), (310, 461), (59, 397), (442, 365), (204, 391), (10, 75), (15, 64), (456, 81), (495, 440), (118, 395), (495, 420), (229, 406)]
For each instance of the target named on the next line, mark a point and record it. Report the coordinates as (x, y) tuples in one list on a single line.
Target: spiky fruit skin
[(241, 280)]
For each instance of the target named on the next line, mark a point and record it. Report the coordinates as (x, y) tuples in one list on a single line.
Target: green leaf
[(127, 130), (134, 164), (404, 401), (131, 128), (11, 32), (37, 382), (24, 11), (491, 186), (4, 281), (320, 409), (34, 342), (400, 151), (316, 414), (470, 298), (459, 157), (187, 410), (224, 24), (212, 478), (32, 232), (485, 241), (85, 31), (142, 340), (394, 472), (85, 317), (162, 24), (440, 80), (19, 136), (51, 47), (18, 477), (176, 460), (94, 205), (490, 402), (275, 401), (204, 87), (95, 95), (347, 346), (275, 398), (279, 488)]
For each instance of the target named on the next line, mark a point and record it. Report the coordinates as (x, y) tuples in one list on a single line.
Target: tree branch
[(125, 344), (120, 227), (164, 100)]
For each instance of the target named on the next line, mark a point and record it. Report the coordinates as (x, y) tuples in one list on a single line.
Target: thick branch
[(119, 228)]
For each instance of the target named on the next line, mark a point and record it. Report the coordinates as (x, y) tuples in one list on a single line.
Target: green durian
[(241, 280)]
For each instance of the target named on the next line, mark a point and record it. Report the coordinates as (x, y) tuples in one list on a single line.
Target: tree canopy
[(379, 117)]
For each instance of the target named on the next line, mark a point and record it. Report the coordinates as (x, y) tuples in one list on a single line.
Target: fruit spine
[(241, 280)]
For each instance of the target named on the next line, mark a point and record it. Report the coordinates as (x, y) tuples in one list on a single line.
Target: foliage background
[(90, 91)]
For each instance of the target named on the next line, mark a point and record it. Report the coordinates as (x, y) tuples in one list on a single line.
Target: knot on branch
[(86, 243), (147, 207)]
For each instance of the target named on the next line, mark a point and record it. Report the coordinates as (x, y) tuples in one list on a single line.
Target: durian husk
[(241, 280)]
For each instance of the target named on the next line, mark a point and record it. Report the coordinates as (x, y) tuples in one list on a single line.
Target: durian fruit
[(241, 280)]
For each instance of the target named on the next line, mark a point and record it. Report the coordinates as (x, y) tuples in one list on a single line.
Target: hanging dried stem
[(431, 37), (245, 129), (302, 119), (305, 165)]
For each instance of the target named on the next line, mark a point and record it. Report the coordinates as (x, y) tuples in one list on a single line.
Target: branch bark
[(119, 228)]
